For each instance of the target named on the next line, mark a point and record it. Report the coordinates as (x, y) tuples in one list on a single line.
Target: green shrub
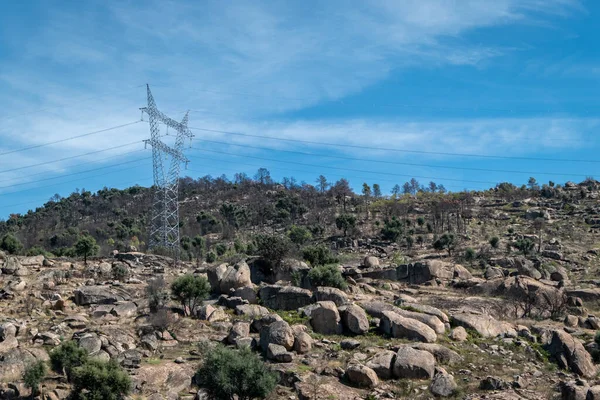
[(524, 245), (157, 295), (327, 275), (85, 247), (120, 272), (67, 356), (470, 254), (272, 249), (299, 235), (34, 375), (190, 290), (250, 249), (226, 373), (345, 222), (494, 242), (37, 251), (392, 229), (221, 249), (318, 255), (211, 257), (100, 380), (239, 246), (10, 244), (446, 241)]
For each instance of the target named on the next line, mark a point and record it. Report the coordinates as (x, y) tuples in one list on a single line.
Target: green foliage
[(190, 290), (525, 246), (318, 255), (211, 257), (239, 246), (34, 375), (511, 230), (299, 235), (86, 246), (227, 373), (495, 242), (157, 295), (208, 223), (37, 251), (392, 229), (327, 275), (470, 254), (221, 249), (445, 242), (10, 244), (272, 249), (233, 214), (345, 222), (420, 221), (100, 380), (67, 356), (120, 272)]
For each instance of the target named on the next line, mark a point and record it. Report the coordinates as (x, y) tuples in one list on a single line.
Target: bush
[(157, 295), (392, 229), (524, 245), (100, 380), (318, 255), (37, 251), (226, 373), (120, 272), (272, 249), (470, 254), (34, 375), (211, 257), (221, 249), (190, 290), (10, 244), (327, 275), (446, 241), (345, 222), (299, 235), (494, 242), (85, 247), (67, 356)]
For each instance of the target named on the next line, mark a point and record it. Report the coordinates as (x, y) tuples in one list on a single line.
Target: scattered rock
[(382, 363), (362, 376), (279, 353), (370, 262), (413, 364), (325, 319), (278, 332), (354, 319), (442, 384), (493, 383), (331, 294), (458, 334), (570, 354), (484, 325), (397, 326)]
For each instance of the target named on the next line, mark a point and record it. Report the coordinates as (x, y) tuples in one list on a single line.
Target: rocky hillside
[(481, 295)]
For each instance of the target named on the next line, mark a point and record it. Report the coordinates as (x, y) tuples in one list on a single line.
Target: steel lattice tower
[(164, 224)]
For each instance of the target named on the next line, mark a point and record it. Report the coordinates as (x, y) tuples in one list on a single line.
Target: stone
[(279, 353), (245, 342), (525, 267), (331, 294), (430, 320), (302, 340), (278, 332), (349, 344), (245, 292), (370, 262), (8, 339), (11, 265), (397, 326), (570, 354), (251, 310), (591, 295), (325, 319), (236, 276), (571, 321), (560, 274), (425, 309), (413, 364), (421, 272), (278, 297), (239, 329), (214, 274), (87, 295), (484, 325), (442, 384), (205, 312), (493, 383), (493, 273), (91, 343), (124, 310), (441, 354), (354, 319), (458, 334), (259, 322), (593, 393), (382, 363), (362, 376)]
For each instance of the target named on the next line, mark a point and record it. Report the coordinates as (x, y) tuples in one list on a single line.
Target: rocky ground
[(430, 325)]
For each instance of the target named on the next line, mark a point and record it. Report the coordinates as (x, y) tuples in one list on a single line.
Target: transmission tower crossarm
[(176, 154)]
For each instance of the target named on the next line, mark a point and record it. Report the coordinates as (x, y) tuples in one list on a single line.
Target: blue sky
[(508, 78)]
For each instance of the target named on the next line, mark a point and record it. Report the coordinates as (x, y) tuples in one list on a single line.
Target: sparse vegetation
[(190, 290), (327, 275), (97, 379), (34, 375)]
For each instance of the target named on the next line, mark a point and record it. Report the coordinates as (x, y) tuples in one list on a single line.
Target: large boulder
[(279, 353), (425, 309), (570, 353), (325, 318), (32, 261), (354, 319), (442, 384), (8, 339), (398, 326), (11, 265), (331, 294), (442, 354), (302, 340), (87, 295), (413, 364), (370, 262), (430, 320), (215, 273), (590, 295), (484, 325), (236, 276), (425, 271), (251, 310), (278, 297), (91, 343), (361, 376), (382, 363), (278, 332), (526, 267), (240, 329)]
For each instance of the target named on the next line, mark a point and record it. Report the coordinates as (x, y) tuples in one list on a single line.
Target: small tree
[(190, 290), (227, 373), (345, 222), (34, 375), (495, 242), (66, 357), (299, 235), (98, 379), (470, 255), (10, 244), (446, 241), (524, 246), (318, 255), (392, 229), (86, 246), (272, 248), (157, 294), (327, 275)]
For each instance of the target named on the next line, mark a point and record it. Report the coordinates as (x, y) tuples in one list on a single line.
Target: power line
[(394, 162), (74, 173), (394, 149), (345, 169), (70, 158), (69, 138)]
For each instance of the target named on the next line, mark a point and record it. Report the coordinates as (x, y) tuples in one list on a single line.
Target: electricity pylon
[(164, 223)]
